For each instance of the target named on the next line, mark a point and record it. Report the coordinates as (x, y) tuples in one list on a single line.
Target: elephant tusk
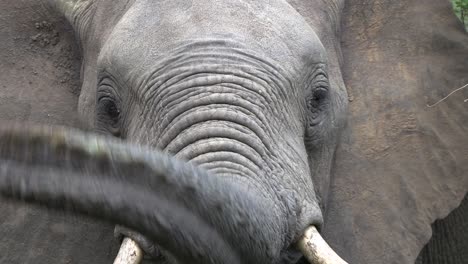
[(129, 253), (316, 250)]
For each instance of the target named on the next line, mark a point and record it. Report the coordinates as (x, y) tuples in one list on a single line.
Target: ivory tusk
[(316, 250), (129, 253)]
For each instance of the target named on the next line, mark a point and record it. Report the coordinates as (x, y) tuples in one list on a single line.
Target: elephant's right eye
[(108, 115), (110, 108)]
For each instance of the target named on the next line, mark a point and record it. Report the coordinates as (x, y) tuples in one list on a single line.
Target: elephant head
[(229, 114)]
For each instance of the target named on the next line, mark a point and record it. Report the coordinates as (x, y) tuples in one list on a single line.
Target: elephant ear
[(39, 65), (403, 160), (39, 83)]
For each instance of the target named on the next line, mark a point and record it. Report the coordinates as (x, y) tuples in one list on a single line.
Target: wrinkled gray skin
[(251, 93)]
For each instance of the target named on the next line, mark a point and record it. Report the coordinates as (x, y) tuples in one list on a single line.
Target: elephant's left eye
[(318, 98), (317, 104)]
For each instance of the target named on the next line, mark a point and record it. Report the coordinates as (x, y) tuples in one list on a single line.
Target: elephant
[(231, 131)]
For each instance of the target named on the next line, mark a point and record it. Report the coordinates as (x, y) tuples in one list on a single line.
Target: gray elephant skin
[(226, 128)]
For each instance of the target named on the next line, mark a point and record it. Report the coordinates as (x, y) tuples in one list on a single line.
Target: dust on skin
[(380, 134)]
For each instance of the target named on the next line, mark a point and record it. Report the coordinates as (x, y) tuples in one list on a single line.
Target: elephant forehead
[(270, 28)]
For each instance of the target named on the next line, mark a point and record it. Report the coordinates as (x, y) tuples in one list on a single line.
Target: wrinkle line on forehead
[(144, 31)]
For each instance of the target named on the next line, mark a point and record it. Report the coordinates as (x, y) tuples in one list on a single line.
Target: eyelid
[(321, 85), (108, 84), (107, 91), (321, 80), (105, 96), (321, 75), (318, 78), (319, 69)]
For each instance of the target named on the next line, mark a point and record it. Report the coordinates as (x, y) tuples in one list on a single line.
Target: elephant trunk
[(193, 215)]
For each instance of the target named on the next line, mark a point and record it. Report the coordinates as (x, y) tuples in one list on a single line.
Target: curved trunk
[(188, 212)]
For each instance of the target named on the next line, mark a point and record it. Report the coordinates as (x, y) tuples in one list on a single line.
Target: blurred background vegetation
[(461, 9)]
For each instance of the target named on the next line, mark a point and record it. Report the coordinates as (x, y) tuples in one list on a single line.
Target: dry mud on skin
[(39, 82), (39, 67)]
